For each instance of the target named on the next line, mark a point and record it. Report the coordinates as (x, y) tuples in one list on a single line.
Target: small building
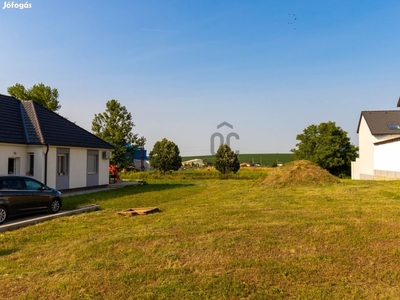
[(193, 163), (40, 143), (379, 146), (138, 158)]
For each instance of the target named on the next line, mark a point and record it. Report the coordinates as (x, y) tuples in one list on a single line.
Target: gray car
[(23, 194)]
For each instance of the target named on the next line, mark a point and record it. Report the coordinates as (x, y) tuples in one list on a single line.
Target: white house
[(379, 146), (40, 143)]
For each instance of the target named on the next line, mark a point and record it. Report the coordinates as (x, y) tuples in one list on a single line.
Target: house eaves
[(387, 141)]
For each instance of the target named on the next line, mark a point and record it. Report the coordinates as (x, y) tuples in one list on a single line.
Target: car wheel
[(54, 206), (3, 214)]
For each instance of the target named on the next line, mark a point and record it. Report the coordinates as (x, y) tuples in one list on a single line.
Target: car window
[(33, 185), (12, 184)]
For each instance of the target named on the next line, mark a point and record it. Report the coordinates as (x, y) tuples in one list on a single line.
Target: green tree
[(44, 95), (165, 156), (226, 161), (115, 127), (328, 146)]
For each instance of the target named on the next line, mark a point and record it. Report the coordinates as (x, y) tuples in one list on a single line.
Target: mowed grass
[(214, 239), (192, 174)]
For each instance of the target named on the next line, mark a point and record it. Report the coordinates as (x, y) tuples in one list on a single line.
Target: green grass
[(264, 159), (213, 239), (192, 174)]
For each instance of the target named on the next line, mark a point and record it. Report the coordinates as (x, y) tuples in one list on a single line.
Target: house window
[(31, 164), (62, 164), (92, 163), (394, 127), (13, 165)]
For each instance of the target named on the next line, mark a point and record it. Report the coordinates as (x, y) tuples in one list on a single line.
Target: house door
[(62, 177), (92, 177)]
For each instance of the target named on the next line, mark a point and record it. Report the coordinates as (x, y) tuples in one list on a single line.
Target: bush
[(226, 161)]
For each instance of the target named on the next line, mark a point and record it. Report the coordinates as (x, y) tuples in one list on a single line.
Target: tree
[(226, 161), (165, 156), (328, 146), (115, 127), (43, 95)]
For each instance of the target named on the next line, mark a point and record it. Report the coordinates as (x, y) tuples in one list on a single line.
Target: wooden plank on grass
[(138, 211)]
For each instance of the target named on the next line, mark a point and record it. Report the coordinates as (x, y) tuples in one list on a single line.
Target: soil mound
[(297, 173)]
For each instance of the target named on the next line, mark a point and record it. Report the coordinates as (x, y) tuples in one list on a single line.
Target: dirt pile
[(296, 173)]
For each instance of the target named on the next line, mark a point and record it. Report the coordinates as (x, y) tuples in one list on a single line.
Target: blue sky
[(269, 68)]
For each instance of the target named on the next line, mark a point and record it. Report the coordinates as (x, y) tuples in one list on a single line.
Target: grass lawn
[(214, 239)]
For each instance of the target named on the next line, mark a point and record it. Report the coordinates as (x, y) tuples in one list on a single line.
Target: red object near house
[(114, 172)]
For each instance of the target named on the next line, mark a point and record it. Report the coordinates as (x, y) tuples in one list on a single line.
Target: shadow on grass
[(5, 252), (73, 202)]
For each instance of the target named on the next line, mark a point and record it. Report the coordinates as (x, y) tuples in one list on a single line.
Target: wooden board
[(138, 211)]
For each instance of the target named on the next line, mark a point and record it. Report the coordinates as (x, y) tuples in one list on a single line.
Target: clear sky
[(269, 68)]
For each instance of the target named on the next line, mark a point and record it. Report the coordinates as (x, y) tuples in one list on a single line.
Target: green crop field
[(264, 159)]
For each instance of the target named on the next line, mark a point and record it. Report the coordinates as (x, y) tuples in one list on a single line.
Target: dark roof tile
[(379, 121), (11, 124), (26, 122)]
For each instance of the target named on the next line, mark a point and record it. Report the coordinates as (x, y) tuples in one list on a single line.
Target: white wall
[(38, 153), (386, 157), (363, 167), (13, 151), (104, 164), (77, 167), (373, 158), (78, 163), (51, 167), (366, 152)]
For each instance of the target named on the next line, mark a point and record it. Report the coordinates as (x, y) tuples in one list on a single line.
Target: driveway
[(22, 221)]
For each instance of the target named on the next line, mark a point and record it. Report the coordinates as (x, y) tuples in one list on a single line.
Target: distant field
[(264, 159)]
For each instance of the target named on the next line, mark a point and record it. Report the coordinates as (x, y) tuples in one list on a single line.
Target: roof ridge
[(23, 113), (31, 122), (381, 110)]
